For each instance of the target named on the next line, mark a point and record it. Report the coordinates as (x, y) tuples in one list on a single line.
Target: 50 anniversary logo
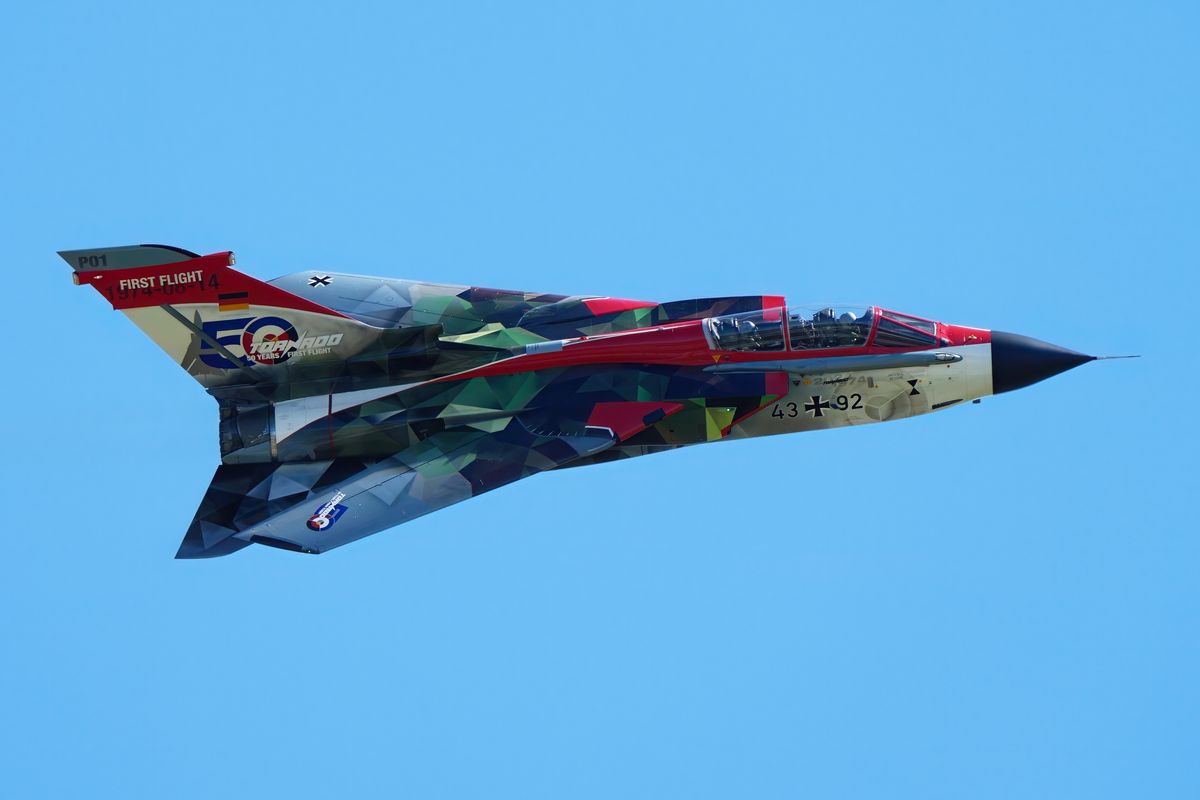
[(262, 340)]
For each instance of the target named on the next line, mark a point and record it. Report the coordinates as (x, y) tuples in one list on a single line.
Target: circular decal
[(269, 340)]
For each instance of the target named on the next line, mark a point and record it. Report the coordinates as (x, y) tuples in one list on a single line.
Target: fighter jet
[(350, 405)]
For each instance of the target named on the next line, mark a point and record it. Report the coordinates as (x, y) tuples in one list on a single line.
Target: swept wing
[(316, 506)]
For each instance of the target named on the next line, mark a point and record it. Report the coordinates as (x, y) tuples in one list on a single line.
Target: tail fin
[(222, 326)]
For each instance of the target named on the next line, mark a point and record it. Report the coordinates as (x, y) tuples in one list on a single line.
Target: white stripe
[(292, 415)]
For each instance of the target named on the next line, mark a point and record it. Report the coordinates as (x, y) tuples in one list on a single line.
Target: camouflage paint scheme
[(350, 404)]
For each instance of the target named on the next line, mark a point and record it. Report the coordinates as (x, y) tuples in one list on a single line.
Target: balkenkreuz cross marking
[(816, 405)]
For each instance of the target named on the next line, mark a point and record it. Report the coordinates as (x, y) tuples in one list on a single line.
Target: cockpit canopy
[(818, 329), (750, 331), (823, 328)]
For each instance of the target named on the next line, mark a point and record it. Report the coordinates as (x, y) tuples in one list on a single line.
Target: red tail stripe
[(197, 280)]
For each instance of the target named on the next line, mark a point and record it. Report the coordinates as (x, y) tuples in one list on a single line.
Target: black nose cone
[(1018, 361)]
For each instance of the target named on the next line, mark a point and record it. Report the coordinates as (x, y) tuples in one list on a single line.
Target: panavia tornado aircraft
[(349, 405)]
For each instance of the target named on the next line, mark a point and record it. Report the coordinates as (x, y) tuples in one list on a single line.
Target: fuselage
[(774, 370)]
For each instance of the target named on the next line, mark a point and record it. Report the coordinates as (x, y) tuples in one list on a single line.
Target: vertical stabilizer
[(222, 326)]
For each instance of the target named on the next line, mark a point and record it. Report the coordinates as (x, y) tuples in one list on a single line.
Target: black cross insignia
[(816, 405), (913, 384), (320, 280)]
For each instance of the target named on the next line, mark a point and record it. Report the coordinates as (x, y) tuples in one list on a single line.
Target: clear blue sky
[(993, 602)]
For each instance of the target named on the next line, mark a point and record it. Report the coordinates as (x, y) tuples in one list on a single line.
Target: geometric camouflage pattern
[(349, 405)]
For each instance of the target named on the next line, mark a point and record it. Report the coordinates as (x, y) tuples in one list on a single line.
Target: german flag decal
[(233, 301)]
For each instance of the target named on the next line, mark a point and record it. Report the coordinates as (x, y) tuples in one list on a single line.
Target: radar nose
[(1018, 361)]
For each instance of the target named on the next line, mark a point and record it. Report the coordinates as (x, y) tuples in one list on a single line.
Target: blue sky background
[(997, 601)]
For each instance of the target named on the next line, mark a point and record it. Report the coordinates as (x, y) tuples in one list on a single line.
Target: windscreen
[(901, 330)]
